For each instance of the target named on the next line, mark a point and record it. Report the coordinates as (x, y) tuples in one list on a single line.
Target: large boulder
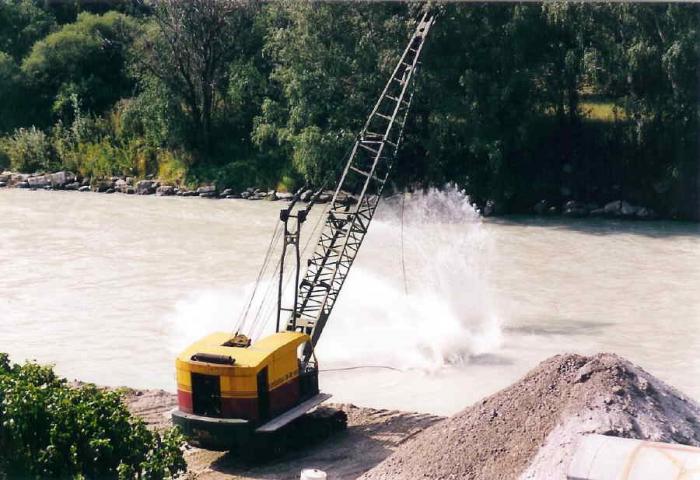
[(574, 209), (61, 179), (165, 190), (225, 193), (627, 210), (145, 187), (207, 191), (84, 188), (306, 195), (103, 185), (39, 181), (5, 177), (18, 177), (286, 196), (345, 198), (613, 208), (72, 186), (120, 185), (645, 213), (325, 197)]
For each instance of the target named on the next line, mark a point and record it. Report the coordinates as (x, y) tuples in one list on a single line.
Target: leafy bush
[(172, 166), (29, 149), (50, 429), (95, 147)]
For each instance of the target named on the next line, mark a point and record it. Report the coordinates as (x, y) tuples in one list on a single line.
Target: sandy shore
[(372, 436)]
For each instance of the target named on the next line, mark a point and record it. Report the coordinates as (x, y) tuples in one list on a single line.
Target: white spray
[(438, 314)]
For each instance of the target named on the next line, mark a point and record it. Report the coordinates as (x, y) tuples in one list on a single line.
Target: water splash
[(445, 317), (202, 312), (439, 315)]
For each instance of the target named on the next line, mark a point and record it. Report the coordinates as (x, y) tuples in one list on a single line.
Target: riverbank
[(69, 181), (64, 180), (529, 430)]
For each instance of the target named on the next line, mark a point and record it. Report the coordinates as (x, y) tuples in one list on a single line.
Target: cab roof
[(251, 356)]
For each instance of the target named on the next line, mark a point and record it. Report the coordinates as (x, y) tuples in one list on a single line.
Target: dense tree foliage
[(49, 429), (85, 58), (322, 84), (516, 102)]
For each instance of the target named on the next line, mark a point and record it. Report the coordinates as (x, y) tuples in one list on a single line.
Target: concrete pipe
[(599, 457)]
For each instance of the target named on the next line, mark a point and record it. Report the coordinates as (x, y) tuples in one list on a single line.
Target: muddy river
[(440, 309)]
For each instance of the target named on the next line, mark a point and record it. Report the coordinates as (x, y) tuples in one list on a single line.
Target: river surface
[(110, 287)]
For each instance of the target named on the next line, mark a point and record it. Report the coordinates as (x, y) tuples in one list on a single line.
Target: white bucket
[(313, 474)]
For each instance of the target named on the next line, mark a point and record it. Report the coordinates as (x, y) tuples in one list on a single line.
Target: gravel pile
[(529, 430)]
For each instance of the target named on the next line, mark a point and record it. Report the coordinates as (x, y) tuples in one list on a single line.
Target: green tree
[(22, 23), (85, 58), (330, 61), (188, 49), (10, 98)]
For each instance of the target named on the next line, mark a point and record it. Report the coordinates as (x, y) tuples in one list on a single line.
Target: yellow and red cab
[(228, 387)]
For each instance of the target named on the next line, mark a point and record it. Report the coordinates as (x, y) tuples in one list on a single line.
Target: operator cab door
[(263, 396), (206, 395)]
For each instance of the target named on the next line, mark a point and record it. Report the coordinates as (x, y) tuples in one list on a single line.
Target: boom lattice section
[(357, 194)]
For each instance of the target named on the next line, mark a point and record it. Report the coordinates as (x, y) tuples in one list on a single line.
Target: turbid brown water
[(109, 287)]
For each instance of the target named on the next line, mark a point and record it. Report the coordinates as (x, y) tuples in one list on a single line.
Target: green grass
[(601, 111)]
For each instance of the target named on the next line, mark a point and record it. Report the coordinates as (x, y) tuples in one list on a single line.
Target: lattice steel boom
[(357, 195)]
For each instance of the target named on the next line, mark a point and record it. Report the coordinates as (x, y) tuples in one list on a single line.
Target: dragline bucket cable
[(357, 194)]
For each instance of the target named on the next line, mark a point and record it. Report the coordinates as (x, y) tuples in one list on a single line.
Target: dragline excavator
[(231, 390)]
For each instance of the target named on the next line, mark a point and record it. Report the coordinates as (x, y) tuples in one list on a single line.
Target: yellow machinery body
[(226, 388)]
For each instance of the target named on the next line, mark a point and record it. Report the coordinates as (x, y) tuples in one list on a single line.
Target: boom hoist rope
[(243, 317), (266, 306)]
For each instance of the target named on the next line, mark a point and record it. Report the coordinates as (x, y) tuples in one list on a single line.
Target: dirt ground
[(529, 431), (372, 435)]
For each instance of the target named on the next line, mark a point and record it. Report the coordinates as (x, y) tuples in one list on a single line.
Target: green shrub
[(4, 157), (29, 150), (51, 430), (237, 175), (172, 166)]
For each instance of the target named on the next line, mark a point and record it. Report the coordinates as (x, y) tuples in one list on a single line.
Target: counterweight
[(357, 195)]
